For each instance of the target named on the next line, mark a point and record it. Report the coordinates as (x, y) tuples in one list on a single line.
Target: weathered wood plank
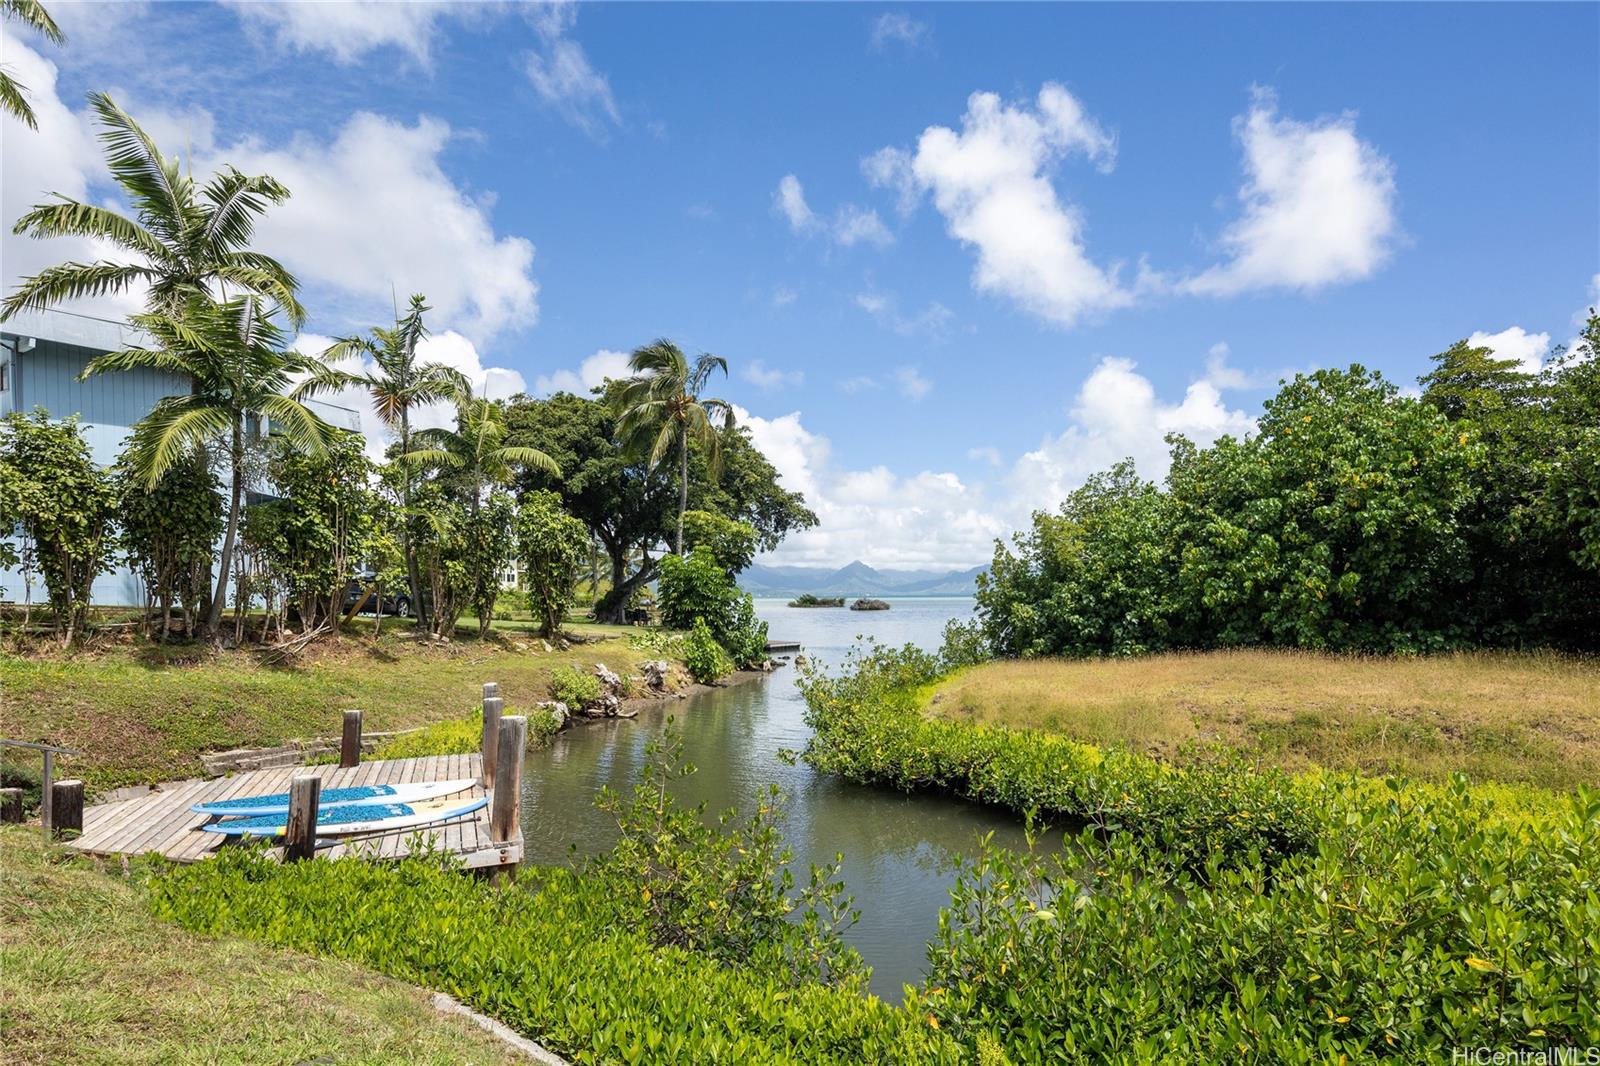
[(300, 832)]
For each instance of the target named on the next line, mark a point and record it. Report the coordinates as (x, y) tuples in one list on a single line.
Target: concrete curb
[(506, 1035)]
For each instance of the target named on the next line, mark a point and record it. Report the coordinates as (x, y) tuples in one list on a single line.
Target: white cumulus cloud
[(1117, 415), (1528, 349), (591, 373), (991, 180), (1318, 206)]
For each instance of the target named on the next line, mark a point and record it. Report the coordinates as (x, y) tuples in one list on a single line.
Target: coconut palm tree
[(660, 410), (182, 238), (239, 366), (397, 384), (13, 94)]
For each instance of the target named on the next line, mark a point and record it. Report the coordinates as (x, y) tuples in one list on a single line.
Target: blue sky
[(942, 309)]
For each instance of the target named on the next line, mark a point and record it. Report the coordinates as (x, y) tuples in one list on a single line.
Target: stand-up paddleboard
[(360, 796), (365, 818)]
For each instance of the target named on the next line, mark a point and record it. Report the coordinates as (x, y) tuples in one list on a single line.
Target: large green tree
[(626, 504), (239, 366), (169, 532), (64, 505), (183, 239), (13, 94), (660, 411), (398, 385)]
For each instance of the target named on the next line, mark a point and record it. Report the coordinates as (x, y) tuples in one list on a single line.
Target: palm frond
[(175, 426), (435, 456), (162, 359), (70, 281), (14, 101), (263, 276), (70, 218), (235, 200), (529, 457), (299, 423), (153, 182), (32, 14)]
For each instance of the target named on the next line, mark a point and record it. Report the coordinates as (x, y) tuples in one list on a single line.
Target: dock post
[(44, 791), (300, 834), (350, 741), (11, 806), (492, 708), (505, 811), (66, 808), (491, 688)]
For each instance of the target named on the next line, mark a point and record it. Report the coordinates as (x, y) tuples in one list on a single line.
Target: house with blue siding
[(41, 355)]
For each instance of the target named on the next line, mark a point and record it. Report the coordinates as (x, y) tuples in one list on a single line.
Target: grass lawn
[(87, 975), (1531, 719), (143, 712)]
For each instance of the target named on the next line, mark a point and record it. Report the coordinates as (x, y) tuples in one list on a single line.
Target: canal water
[(897, 849)]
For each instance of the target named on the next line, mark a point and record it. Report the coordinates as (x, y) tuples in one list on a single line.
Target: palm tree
[(13, 94), (238, 366), (660, 409), (183, 238), (397, 385), (475, 450)]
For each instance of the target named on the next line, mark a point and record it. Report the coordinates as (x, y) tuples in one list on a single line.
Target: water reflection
[(898, 849)]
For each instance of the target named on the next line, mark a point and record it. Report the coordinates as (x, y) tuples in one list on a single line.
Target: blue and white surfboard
[(363, 795), (365, 818)]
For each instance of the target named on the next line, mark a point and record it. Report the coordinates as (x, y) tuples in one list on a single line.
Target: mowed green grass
[(87, 976), (1522, 718), (144, 712)]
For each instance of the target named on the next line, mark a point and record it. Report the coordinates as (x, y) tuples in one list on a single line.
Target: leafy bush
[(554, 957), (1422, 919), (543, 724), (453, 736), (659, 642), (723, 890), (26, 777), (696, 587), (868, 727), (1353, 519), (703, 657), (963, 645), (731, 542), (552, 544), (573, 686)]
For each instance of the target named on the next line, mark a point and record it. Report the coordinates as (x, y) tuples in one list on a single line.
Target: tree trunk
[(683, 489), (225, 564), (413, 570)]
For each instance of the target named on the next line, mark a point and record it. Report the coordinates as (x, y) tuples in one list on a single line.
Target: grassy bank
[(143, 712), (1531, 719), (86, 976)]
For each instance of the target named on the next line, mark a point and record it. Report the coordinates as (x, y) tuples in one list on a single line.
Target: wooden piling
[(300, 834), (11, 806), (491, 688), (350, 741), (505, 810), (66, 808), (45, 782), (492, 708)]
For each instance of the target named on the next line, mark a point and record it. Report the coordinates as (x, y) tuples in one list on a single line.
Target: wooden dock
[(162, 821)]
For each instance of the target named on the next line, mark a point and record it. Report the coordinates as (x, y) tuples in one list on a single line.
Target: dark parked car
[(395, 603)]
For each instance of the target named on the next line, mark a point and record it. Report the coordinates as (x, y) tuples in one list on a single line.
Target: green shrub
[(659, 642), (453, 736), (723, 889), (573, 686), (556, 957), (1422, 920), (28, 778), (696, 586), (868, 727), (703, 657), (543, 725)]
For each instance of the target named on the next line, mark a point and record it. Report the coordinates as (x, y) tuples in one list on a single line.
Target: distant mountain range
[(857, 579)]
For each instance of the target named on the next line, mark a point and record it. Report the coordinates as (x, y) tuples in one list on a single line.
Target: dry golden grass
[(1530, 718)]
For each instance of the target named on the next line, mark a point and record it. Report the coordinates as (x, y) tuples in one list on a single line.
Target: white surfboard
[(364, 818), (359, 796)]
